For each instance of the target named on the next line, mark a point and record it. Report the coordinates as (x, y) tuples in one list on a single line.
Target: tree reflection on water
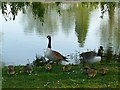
[(47, 14)]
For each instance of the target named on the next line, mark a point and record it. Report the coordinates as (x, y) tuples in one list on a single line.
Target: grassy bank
[(40, 78)]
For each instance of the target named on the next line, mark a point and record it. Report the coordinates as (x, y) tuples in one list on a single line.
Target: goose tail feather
[(66, 60)]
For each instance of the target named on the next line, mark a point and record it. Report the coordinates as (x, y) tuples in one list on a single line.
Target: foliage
[(38, 10), (39, 61), (42, 11), (14, 9), (109, 53)]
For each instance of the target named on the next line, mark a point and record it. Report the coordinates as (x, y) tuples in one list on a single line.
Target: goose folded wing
[(58, 56), (88, 55)]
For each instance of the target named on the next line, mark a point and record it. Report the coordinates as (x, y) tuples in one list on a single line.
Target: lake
[(72, 26)]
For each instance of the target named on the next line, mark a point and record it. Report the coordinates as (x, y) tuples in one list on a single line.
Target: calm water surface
[(75, 28)]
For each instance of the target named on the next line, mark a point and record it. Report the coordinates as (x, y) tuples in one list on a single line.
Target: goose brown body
[(58, 56)]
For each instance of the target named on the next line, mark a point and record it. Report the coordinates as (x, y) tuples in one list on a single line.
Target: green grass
[(40, 78)]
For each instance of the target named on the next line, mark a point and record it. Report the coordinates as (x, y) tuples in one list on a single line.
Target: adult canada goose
[(53, 55), (90, 57), (10, 70)]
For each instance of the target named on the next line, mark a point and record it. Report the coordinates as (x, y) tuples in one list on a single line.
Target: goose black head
[(101, 47), (49, 37)]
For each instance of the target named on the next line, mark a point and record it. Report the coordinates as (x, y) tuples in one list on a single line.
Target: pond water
[(73, 27)]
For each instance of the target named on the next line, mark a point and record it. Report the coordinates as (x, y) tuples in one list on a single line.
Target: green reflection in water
[(45, 16)]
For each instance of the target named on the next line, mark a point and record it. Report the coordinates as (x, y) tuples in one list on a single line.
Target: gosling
[(48, 67), (84, 69), (91, 73), (103, 70), (27, 69), (10, 70), (66, 68)]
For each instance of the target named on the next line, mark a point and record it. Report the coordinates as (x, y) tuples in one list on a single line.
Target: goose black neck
[(49, 43)]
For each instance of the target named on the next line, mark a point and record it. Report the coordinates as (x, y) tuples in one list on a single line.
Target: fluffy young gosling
[(84, 69), (10, 70), (103, 70), (48, 67), (91, 72), (66, 68), (26, 69)]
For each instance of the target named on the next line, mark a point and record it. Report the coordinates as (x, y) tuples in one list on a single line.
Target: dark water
[(73, 27)]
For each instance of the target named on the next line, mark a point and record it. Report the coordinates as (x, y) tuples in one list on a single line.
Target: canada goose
[(90, 57), (91, 72), (53, 55), (48, 67), (66, 68), (103, 70), (10, 70), (27, 69)]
